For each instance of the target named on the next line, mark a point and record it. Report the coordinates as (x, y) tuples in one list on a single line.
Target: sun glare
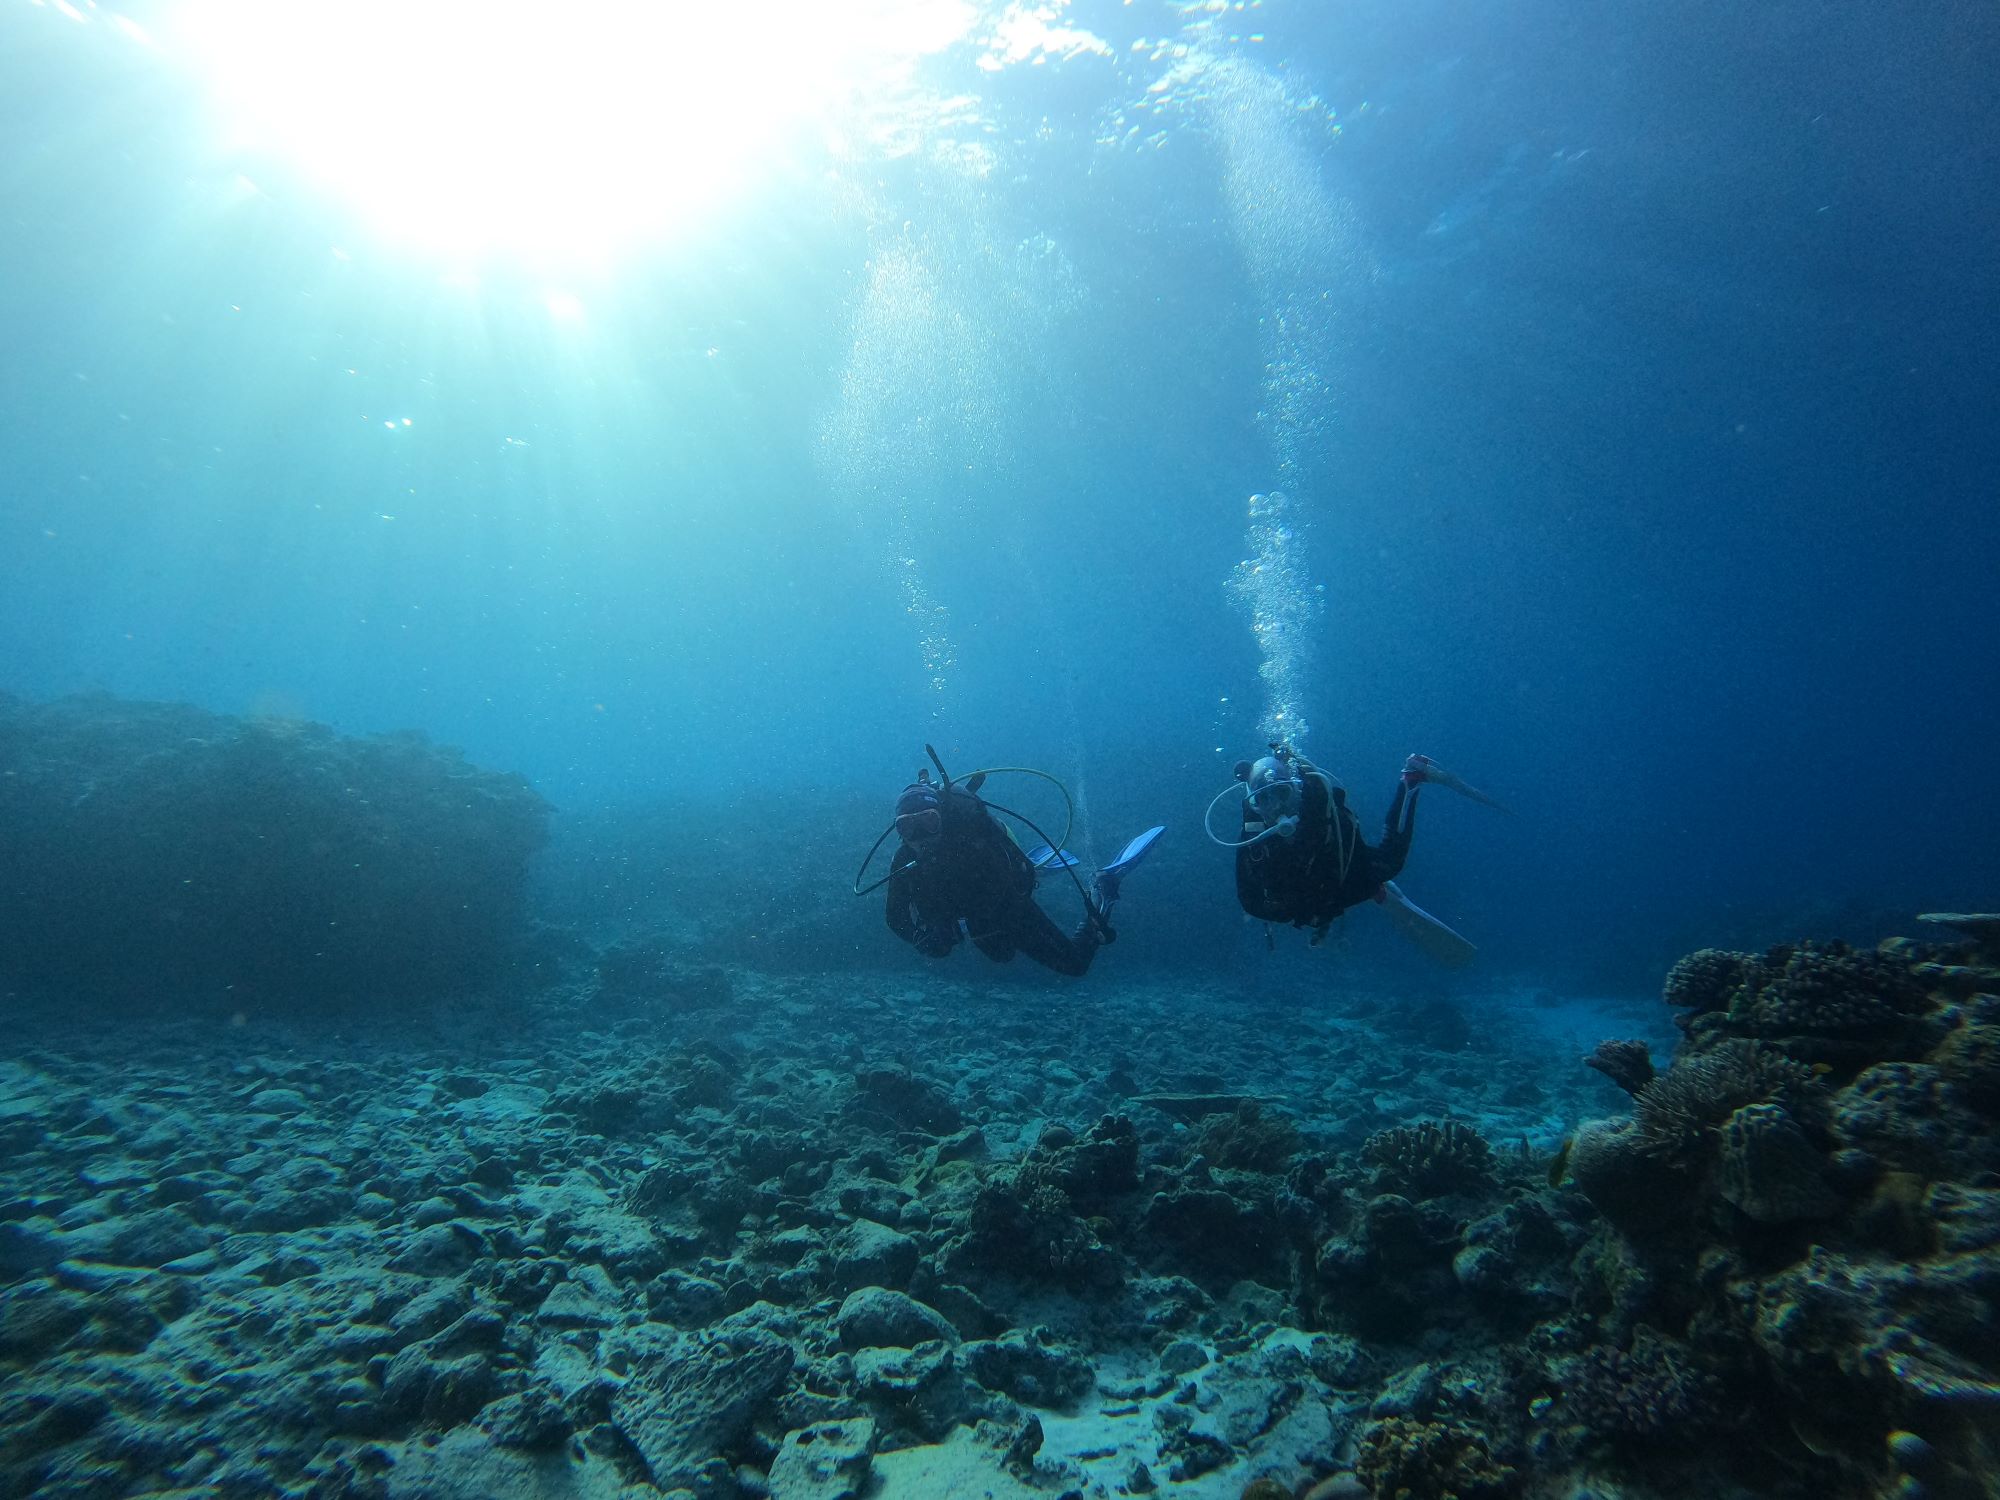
[(551, 131)]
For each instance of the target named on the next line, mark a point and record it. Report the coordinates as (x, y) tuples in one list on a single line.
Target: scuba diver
[(958, 873), (1301, 858)]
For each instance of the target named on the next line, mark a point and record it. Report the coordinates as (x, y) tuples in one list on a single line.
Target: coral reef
[(1405, 1459), (1706, 979), (1817, 1004), (1770, 1170), (157, 850), (1803, 1215), (1250, 1140), (813, 1239), (1655, 1390), (1680, 1113)]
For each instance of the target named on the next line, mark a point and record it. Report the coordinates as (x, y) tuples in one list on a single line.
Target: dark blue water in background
[(1630, 373)]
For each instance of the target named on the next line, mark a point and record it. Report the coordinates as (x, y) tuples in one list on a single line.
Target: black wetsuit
[(979, 876), (1300, 879)]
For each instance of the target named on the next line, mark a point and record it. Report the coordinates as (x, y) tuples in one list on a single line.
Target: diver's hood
[(916, 797), (1268, 772)]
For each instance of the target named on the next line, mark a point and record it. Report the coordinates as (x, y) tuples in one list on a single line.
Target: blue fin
[(1042, 857), (1133, 852)]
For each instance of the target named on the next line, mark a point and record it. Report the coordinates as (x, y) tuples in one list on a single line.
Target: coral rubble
[(745, 1236)]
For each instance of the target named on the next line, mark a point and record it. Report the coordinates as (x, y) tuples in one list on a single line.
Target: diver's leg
[(995, 939), (1043, 941), (1397, 830)]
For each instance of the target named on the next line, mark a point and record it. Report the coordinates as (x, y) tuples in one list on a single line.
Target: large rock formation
[(160, 851)]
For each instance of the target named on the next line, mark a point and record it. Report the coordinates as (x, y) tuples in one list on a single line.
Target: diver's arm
[(896, 909), (1253, 890)]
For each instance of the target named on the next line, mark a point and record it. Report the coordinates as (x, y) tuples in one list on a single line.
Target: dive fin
[(1042, 857), (1425, 930), (1421, 769), (1133, 852)]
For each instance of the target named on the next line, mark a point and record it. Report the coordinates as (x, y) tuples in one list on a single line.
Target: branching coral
[(1430, 1157)]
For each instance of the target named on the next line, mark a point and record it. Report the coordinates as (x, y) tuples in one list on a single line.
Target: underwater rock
[(901, 1374), (1969, 1057), (29, 1245), (150, 1238), (1770, 1170), (682, 1298), (441, 1250), (587, 1299), (1964, 1219), (1182, 1356), (903, 1101), (1412, 1392), (827, 1461), (531, 1419), (873, 1317), (1024, 1226), (1215, 1233), (1391, 1276), (1898, 1338), (1031, 1369), (1099, 1167), (870, 1254), (428, 1311), (37, 1318), (442, 1391), (687, 1401)]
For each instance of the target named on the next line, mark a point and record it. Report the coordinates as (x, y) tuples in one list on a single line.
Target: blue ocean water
[(1627, 375), (716, 416)]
